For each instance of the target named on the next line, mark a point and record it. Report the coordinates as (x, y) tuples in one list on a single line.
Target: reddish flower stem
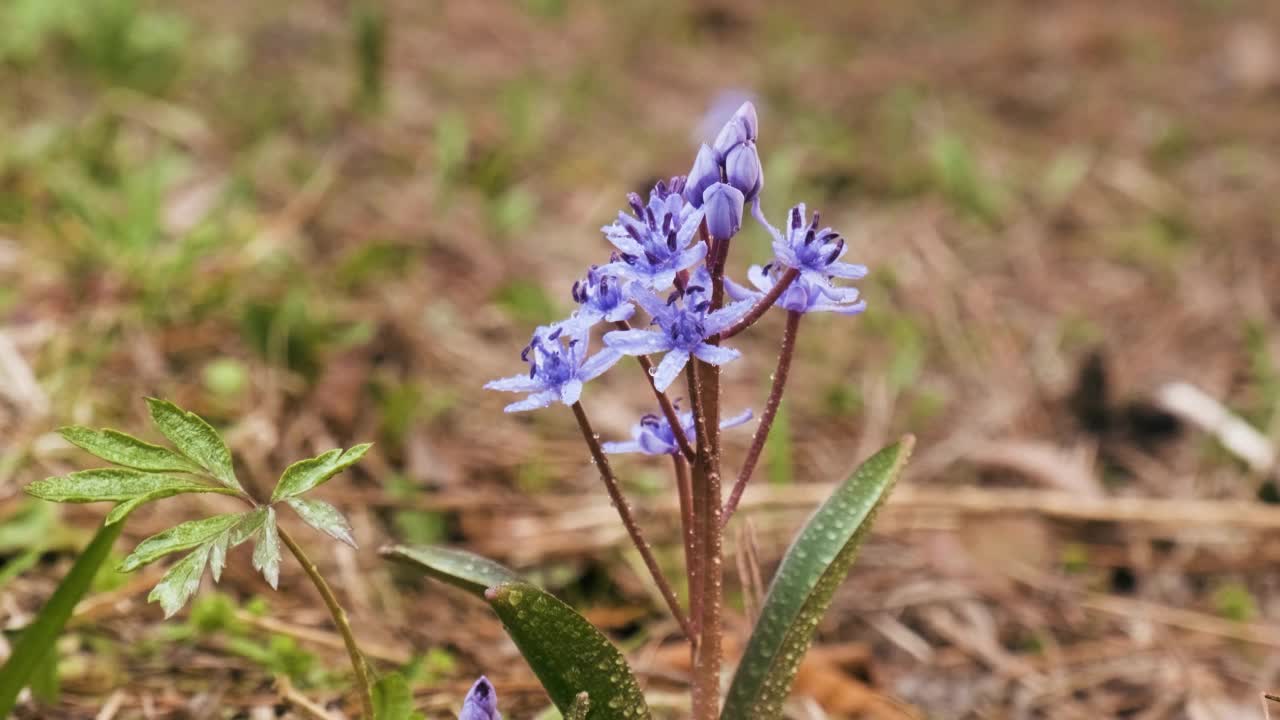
[(758, 310), (767, 417), (684, 487), (614, 488), (668, 410)]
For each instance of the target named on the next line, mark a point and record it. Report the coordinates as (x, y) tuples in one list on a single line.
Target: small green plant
[(199, 462)]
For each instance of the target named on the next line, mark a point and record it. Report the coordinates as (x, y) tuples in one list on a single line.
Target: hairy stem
[(758, 310), (668, 410), (339, 619), (684, 488), (766, 419), (628, 520)]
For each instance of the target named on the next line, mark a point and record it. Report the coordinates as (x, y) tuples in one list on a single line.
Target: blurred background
[(323, 222)]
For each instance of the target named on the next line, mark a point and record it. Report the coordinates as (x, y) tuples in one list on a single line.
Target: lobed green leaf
[(459, 568), (304, 475), (115, 484), (196, 439), (567, 653), (178, 538), (813, 568), (323, 517), (121, 449), (39, 638), (180, 582), (266, 550)]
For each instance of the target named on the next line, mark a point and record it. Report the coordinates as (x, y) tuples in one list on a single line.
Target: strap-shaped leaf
[(814, 566), (581, 706), (180, 582), (567, 653), (180, 537), (39, 638), (306, 474), (121, 449), (266, 551), (459, 568), (196, 439), (323, 517)]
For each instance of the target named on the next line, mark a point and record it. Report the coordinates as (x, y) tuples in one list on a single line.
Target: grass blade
[(38, 638), (814, 566)]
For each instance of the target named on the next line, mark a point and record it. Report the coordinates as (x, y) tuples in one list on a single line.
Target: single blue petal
[(760, 278), (669, 368), (515, 383), (716, 355), (651, 303), (620, 313), (637, 342), (738, 292), (536, 401), (688, 258), (598, 363), (614, 448), (721, 319), (622, 240), (570, 392), (739, 419), (661, 279), (651, 444), (848, 271)]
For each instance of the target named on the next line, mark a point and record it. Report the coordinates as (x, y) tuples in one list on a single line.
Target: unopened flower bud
[(705, 172), (722, 204), (743, 171), (481, 702), (744, 126)]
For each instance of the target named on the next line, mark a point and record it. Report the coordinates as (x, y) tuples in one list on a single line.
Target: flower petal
[(691, 257), (736, 420), (570, 392), (620, 313), (651, 303), (760, 278), (669, 368), (738, 292), (726, 316), (848, 271), (613, 448), (536, 401), (598, 363), (515, 383), (715, 355), (637, 342)]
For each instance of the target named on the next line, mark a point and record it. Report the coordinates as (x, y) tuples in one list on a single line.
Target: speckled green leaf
[(180, 582), (121, 449), (306, 474), (323, 517), (567, 653), (115, 484), (459, 568), (581, 706), (266, 550), (178, 538), (196, 439), (814, 566)]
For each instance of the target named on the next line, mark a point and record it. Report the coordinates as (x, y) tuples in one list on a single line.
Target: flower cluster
[(660, 265)]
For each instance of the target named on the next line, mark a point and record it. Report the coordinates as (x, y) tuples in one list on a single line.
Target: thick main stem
[(766, 419), (668, 410), (684, 489), (614, 488), (339, 619)]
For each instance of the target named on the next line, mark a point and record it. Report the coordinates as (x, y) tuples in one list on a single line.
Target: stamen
[(637, 206)]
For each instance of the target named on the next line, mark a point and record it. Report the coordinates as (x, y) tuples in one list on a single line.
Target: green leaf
[(121, 449), (195, 439), (581, 706), (393, 699), (115, 484), (39, 637), (266, 551), (459, 568), (323, 517), (121, 511), (811, 571), (180, 582), (307, 474), (250, 523), (567, 653), (180, 537)]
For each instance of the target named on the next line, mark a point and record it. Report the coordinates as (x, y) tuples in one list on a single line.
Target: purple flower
[(815, 253), (653, 434), (722, 204), (481, 702), (558, 366), (705, 173), (601, 296), (735, 150), (654, 243), (685, 322), (802, 296)]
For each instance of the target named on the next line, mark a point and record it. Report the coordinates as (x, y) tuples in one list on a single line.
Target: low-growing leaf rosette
[(199, 462)]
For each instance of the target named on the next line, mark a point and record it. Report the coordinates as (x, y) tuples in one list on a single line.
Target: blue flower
[(735, 152), (653, 434), (684, 323), (654, 243), (705, 172), (558, 366), (803, 295), (481, 702), (815, 253), (722, 204), (601, 296)]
